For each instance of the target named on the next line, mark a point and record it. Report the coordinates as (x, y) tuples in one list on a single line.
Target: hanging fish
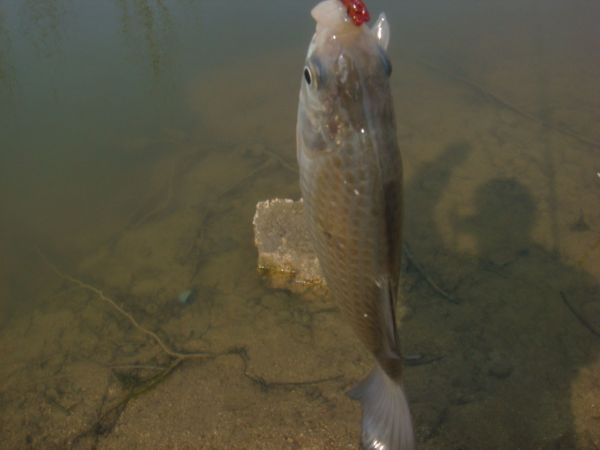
[(351, 182)]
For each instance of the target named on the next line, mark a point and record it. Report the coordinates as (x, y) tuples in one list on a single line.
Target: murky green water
[(136, 138)]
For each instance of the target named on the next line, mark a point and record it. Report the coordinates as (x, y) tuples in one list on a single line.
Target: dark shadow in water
[(515, 338)]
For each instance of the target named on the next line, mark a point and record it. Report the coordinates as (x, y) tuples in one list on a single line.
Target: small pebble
[(186, 297)]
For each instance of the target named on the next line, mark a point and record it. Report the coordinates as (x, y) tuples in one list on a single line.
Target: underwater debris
[(186, 297)]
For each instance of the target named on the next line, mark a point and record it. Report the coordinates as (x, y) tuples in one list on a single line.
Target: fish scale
[(350, 264)]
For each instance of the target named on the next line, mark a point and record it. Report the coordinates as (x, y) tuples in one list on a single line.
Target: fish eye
[(307, 75), (313, 73)]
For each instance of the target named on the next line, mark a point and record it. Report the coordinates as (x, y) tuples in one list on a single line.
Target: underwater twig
[(578, 316), (154, 380), (237, 183), (265, 385), (128, 316), (107, 420), (56, 404), (281, 161), (429, 281), (137, 219), (136, 366)]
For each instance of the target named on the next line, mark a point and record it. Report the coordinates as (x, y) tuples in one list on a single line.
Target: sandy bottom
[(501, 214)]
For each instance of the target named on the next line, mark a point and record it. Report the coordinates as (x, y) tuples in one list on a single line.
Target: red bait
[(357, 10)]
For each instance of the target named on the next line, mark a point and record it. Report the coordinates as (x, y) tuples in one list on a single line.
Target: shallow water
[(136, 138)]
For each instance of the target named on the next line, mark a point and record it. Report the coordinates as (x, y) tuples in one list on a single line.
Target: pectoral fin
[(381, 30), (390, 347)]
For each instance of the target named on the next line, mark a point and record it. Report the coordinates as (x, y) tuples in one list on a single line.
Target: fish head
[(345, 80)]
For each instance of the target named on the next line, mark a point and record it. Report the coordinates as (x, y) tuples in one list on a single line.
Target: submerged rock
[(285, 254)]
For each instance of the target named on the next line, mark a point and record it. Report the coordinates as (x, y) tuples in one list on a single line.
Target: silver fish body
[(351, 182)]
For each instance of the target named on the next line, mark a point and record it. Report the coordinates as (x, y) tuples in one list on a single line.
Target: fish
[(351, 182)]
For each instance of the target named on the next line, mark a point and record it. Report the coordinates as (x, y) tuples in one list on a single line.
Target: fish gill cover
[(357, 10)]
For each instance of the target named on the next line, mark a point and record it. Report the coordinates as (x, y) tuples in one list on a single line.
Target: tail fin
[(386, 421)]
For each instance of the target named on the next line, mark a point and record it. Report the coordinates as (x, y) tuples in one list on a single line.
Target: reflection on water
[(136, 137), (7, 76), (42, 21), (154, 21)]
